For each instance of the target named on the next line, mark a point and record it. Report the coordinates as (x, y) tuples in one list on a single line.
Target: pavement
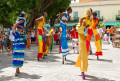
[(52, 69)]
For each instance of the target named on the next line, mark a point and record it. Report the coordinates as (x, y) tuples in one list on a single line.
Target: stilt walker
[(65, 18), (82, 60), (74, 36), (92, 30), (18, 43), (39, 24)]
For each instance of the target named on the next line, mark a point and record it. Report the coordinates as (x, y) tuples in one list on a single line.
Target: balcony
[(117, 17)]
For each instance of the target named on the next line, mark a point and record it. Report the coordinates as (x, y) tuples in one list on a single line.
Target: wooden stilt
[(97, 57), (63, 60)]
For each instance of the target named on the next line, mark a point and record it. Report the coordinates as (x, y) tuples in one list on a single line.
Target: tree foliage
[(10, 9)]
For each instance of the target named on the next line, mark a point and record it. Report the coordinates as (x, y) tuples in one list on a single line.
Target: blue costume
[(64, 44), (18, 45)]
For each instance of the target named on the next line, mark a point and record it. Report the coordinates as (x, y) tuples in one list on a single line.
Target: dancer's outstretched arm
[(62, 14), (81, 21)]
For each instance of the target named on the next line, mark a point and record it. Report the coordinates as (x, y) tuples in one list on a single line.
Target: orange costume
[(92, 30)]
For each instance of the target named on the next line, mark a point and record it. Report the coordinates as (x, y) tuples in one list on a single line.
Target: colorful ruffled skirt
[(18, 50)]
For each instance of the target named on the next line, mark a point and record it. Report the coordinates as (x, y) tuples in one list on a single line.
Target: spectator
[(3, 42), (100, 31), (33, 37), (74, 37), (11, 38), (0, 43), (108, 31), (56, 38), (111, 33), (28, 40), (25, 39)]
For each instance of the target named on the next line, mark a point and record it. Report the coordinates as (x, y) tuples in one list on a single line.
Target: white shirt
[(100, 31), (11, 36), (32, 34)]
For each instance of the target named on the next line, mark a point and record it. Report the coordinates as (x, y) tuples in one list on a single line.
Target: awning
[(58, 25), (111, 23)]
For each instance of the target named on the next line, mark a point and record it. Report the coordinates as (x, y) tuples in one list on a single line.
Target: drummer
[(50, 32)]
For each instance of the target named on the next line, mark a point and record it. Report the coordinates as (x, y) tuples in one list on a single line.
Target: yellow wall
[(109, 12)]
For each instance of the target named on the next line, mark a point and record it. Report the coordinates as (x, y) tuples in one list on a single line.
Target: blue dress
[(64, 44), (18, 47)]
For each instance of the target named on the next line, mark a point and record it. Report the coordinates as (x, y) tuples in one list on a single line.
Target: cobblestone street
[(52, 69)]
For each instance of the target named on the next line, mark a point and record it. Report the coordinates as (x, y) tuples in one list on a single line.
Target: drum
[(48, 39)]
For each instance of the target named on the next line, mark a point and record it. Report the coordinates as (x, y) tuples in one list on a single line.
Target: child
[(28, 40), (0, 43), (36, 38), (3, 42)]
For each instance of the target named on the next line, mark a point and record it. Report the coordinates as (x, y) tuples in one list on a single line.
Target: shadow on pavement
[(21, 75), (104, 60), (105, 49), (27, 76), (93, 78), (70, 62)]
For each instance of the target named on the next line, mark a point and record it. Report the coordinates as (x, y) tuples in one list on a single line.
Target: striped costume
[(18, 45), (64, 44)]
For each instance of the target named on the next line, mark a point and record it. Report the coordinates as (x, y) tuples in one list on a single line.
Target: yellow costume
[(82, 60), (40, 36)]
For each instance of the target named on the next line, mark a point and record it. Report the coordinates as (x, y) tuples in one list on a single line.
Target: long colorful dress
[(64, 44), (18, 45), (92, 30), (40, 36), (51, 33), (82, 60)]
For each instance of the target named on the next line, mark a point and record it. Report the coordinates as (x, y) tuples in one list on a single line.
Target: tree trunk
[(31, 22), (41, 9), (52, 20)]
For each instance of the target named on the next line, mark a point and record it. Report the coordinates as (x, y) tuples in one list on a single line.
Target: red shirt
[(55, 36), (74, 34)]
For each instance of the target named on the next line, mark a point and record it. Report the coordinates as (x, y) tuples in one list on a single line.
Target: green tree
[(57, 7), (10, 10)]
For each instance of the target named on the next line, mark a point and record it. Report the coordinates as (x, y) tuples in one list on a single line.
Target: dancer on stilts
[(92, 30), (82, 60), (65, 18), (18, 43), (39, 24)]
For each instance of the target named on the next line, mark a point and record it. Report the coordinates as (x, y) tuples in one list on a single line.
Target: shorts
[(3, 43), (32, 39)]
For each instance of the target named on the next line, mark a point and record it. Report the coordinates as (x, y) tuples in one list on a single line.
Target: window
[(98, 13), (75, 15)]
